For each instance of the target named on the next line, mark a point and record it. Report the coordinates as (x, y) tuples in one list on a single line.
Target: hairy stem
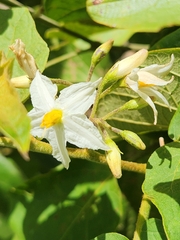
[(86, 154), (143, 215)]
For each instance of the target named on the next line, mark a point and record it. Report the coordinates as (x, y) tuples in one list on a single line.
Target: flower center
[(143, 84), (51, 118)]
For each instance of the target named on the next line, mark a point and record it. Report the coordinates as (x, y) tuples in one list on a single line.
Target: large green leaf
[(100, 33), (142, 120), (153, 230), (135, 15), (74, 17), (14, 121), (162, 184), (70, 205), (174, 130)]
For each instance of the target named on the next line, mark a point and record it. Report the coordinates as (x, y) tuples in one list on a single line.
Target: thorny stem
[(143, 215), (87, 154)]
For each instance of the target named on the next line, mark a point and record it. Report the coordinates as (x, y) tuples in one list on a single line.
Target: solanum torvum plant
[(61, 117), (89, 120)]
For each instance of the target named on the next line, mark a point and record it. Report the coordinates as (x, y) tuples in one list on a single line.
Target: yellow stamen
[(143, 84), (51, 118)]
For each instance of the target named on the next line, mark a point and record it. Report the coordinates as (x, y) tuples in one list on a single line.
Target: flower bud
[(21, 82), (134, 104), (25, 60), (133, 139), (121, 68), (98, 55), (101, 52), (113, 158)]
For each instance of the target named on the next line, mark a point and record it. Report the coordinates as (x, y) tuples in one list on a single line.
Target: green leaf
[(74, 17), (66, 10), (14, 121), (174, 131), (142, 120), (110, 236), (153, 230), (100, 33), (18, 23), (65, 202), (138, 16), (162, 184), (170, 41)]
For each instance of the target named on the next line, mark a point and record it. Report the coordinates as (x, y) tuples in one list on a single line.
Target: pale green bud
[(134, 104), (113, 158), (98, 55), (101, 52), (21, 82), (25, 60), (133, 139)]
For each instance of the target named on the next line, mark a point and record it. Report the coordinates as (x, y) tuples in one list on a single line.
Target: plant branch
[(86, 154)]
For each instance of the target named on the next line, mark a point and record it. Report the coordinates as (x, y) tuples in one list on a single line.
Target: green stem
[(98, 96), (95, 105), (61, 58), (91, 69), (115, 111), (143, 215), (86, 154)]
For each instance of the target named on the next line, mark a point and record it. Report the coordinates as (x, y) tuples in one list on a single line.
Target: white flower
[(144, 81), (123, 67), (63, 119)]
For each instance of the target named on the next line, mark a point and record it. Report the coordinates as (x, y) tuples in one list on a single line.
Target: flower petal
[(43, 92), (154, 93), (147, 79), (56, 139), (36, 119), (126, 65), (150, 102), (134, 86), (79, 130), (159, 70), (78, 98)]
